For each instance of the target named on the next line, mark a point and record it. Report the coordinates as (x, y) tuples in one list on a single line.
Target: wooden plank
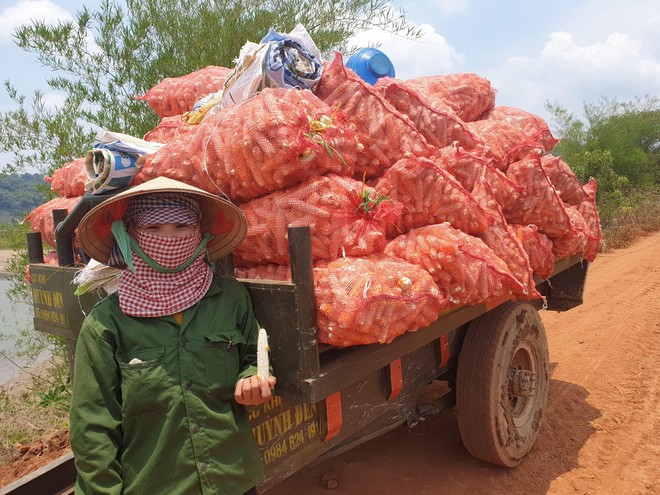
[(57, 477), (276, 309), (300, 250)]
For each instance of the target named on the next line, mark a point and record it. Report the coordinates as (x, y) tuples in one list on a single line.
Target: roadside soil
[(601, 432)]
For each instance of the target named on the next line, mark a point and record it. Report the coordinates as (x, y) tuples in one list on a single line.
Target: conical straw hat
[(220, 217)]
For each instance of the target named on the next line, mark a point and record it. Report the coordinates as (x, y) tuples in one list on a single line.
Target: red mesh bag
[(365, 300), (588, 210), (534, 127), (278, 138), (503, 142), (440, 126), (263, 272), (468, 95), (429, 195), (469, 168), (539, 203), (41, 218), (345, 217), (169, 129), (385, 134), (538, 248), (373, 299), (69, 180), (502, 239), (177, 95), (564, 180), (575, 240), (462, 265)]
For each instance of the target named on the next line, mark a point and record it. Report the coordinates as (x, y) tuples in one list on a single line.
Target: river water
[(15, 318)]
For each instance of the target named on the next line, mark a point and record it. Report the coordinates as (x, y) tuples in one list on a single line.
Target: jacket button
[(188, 384), (203, 465), (183, 343), (196, 428)]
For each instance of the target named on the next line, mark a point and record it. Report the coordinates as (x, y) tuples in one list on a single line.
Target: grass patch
[(12, 235), (622, 225), (34, 407)]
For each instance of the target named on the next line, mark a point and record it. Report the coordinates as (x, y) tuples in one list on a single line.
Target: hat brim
[(219, 216)]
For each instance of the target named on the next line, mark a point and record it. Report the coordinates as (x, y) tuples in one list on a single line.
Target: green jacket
[(153, 408)]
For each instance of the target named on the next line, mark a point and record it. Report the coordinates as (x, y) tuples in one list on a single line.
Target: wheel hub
[(521, 383)]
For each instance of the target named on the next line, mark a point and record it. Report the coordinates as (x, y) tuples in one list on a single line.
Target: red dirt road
[(601, 434)]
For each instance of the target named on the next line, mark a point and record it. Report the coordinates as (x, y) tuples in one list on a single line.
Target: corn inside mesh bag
[(373, 299), (539, 202), (534, 127), (503, 142), (385, 134), (168, 129), (429, 195), (588, 210), (41, 218), (278, 138), (440, 126), (462, 265), (538, 248), (467, 94), (502, 239), (345, 217), (564, 180), (469, 168), (69, 180), (177, 95)]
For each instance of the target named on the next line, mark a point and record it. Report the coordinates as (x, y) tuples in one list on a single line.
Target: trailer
[(492, 359)]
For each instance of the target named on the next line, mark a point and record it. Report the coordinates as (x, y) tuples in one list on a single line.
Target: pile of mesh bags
[(421, 195)]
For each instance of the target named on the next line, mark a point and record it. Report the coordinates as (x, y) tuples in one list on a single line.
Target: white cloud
[(53, 100), (26, 11), (452, 7), (595, 19), (573, 73), (430, 54)]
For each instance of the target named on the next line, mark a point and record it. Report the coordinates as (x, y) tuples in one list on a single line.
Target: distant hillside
[(19, 195)]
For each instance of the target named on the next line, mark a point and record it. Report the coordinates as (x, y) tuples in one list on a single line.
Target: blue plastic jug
[(370, 64)]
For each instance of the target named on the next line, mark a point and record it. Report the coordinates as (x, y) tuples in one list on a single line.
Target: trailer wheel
[(502, 383)]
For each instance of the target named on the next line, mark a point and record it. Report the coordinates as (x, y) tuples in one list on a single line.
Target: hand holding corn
[(257, 389)]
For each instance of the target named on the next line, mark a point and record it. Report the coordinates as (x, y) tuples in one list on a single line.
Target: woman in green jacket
[(165, 366)]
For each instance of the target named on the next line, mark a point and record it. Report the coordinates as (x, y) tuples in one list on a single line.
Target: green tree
[(107, 56), (628, 131), (18, 196)]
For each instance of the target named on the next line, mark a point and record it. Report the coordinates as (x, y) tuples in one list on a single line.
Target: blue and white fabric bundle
[(114, 160), (291, 61), (278, 61)]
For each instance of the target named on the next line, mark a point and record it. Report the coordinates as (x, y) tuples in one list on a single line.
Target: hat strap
[(123, 239)]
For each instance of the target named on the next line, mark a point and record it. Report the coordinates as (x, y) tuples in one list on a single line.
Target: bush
[(627, 215)]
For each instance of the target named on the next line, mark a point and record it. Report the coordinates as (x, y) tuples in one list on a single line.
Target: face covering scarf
[(146, 291)]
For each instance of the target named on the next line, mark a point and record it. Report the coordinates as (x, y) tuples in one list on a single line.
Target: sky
[(569, 52)]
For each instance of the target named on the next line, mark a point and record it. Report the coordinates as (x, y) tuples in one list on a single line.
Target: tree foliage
[(18, 196), (618, 145), (627, 133), (107, 56)]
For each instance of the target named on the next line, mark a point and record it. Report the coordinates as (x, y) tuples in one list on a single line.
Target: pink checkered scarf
[(149, 293)]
